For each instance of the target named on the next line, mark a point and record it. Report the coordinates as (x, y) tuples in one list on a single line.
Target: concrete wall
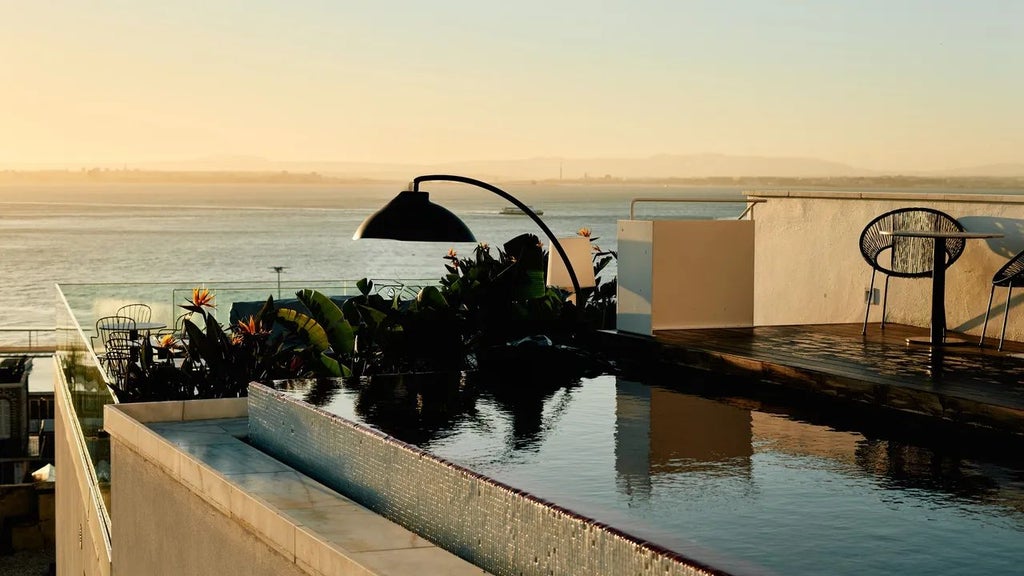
[(162, 527), (684, 274), (82, 525), (191, 496), (808, 267)]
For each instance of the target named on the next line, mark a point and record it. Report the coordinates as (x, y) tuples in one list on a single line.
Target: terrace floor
[(959, 385)]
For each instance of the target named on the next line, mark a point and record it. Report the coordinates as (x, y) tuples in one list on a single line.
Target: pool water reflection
[(725, 481)]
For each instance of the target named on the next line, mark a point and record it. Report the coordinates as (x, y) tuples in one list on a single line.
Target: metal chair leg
[(984, 327), (867, 310), (885, 298), (1006, 314)]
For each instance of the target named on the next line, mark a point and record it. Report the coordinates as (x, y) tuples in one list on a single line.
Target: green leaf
[(339, 332), (374, 316), (333, 367), (307, 328), (431, 297)]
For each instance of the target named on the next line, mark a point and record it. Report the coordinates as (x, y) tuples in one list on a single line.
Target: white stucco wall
[(685, 274), (808, 268)]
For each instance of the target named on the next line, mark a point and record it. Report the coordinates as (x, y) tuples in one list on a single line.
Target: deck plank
[(965, 383)]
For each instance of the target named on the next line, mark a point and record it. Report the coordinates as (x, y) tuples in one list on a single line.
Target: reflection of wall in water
[(659, 431), (693, 433), (632, 438)]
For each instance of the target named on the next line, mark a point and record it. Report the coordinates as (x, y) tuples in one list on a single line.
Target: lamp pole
[(278, 269), (415, 185)]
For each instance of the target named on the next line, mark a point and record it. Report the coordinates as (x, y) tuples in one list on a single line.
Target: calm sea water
[(741, 486), (228, 233)]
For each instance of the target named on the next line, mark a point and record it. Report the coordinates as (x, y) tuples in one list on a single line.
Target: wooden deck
[(962, 385)]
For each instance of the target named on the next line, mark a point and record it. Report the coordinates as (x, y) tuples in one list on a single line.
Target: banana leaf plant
[(396, 336), (328, 340)]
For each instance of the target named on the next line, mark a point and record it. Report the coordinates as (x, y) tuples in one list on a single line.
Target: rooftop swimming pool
[(730, 482)]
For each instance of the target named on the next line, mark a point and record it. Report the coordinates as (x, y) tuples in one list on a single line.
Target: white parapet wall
[(808, 268), (685, 274)]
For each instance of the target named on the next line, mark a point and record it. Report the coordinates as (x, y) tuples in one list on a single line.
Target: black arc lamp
[(411, 216)]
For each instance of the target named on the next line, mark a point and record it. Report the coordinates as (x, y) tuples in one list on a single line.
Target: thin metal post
[(278, 269)]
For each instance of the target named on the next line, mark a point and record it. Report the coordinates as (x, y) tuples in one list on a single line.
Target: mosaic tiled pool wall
[(500, 529)]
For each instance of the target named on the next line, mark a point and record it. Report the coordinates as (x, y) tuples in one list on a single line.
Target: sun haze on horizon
[(875, 84)]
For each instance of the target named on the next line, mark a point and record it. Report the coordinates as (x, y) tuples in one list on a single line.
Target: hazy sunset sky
[(881, 84)]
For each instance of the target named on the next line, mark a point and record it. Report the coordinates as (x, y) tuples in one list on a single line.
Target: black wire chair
[(137, 312), (1012, 273), (110, 326), (900, 257)]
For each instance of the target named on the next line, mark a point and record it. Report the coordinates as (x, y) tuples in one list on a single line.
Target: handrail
[(750, 202), (31, 331)]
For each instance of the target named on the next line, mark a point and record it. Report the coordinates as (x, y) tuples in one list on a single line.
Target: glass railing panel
[(89, 302), (85, 381)]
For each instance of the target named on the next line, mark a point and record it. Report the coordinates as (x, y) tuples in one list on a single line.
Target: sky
[(877, 84)]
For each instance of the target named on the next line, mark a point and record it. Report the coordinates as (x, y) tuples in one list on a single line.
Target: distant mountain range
[(661, 166), (551, 168)]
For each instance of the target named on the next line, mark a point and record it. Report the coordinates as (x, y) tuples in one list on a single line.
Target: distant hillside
[(989, 170), (663, 166), (133, 176)]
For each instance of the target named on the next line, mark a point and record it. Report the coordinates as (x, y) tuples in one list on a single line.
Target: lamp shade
[(579, 252), (412, 216)]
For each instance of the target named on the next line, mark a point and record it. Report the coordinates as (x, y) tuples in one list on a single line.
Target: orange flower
[(250, 327), (585, 232), (202, 297), (167, 342), (452, 254), (484, 246)]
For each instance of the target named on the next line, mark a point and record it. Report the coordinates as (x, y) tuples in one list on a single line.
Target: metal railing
[(32, 342), (750, 202)]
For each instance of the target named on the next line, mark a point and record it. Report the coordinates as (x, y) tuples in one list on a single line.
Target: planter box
[(685, 274)]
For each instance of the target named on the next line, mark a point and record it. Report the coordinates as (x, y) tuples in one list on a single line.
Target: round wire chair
[(902, 257), (1012, 273)]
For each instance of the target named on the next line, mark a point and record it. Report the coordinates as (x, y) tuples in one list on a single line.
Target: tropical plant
[(328, 340), (599, 303), (503, 298), (223, 362), (483, 303)]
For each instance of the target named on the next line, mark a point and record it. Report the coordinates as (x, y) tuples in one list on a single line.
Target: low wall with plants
[(483, 304), (497, 527)]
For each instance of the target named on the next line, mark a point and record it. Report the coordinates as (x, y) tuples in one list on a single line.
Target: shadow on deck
[(961, 385)]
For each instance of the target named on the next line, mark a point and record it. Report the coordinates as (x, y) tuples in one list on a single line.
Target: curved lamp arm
[(526, 210)]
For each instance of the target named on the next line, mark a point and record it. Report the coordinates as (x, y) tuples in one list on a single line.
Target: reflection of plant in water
[(524, 404), (322, 391), (415, 408), (420, 408)]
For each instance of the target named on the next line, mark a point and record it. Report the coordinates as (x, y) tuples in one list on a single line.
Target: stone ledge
[(284, 508)]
